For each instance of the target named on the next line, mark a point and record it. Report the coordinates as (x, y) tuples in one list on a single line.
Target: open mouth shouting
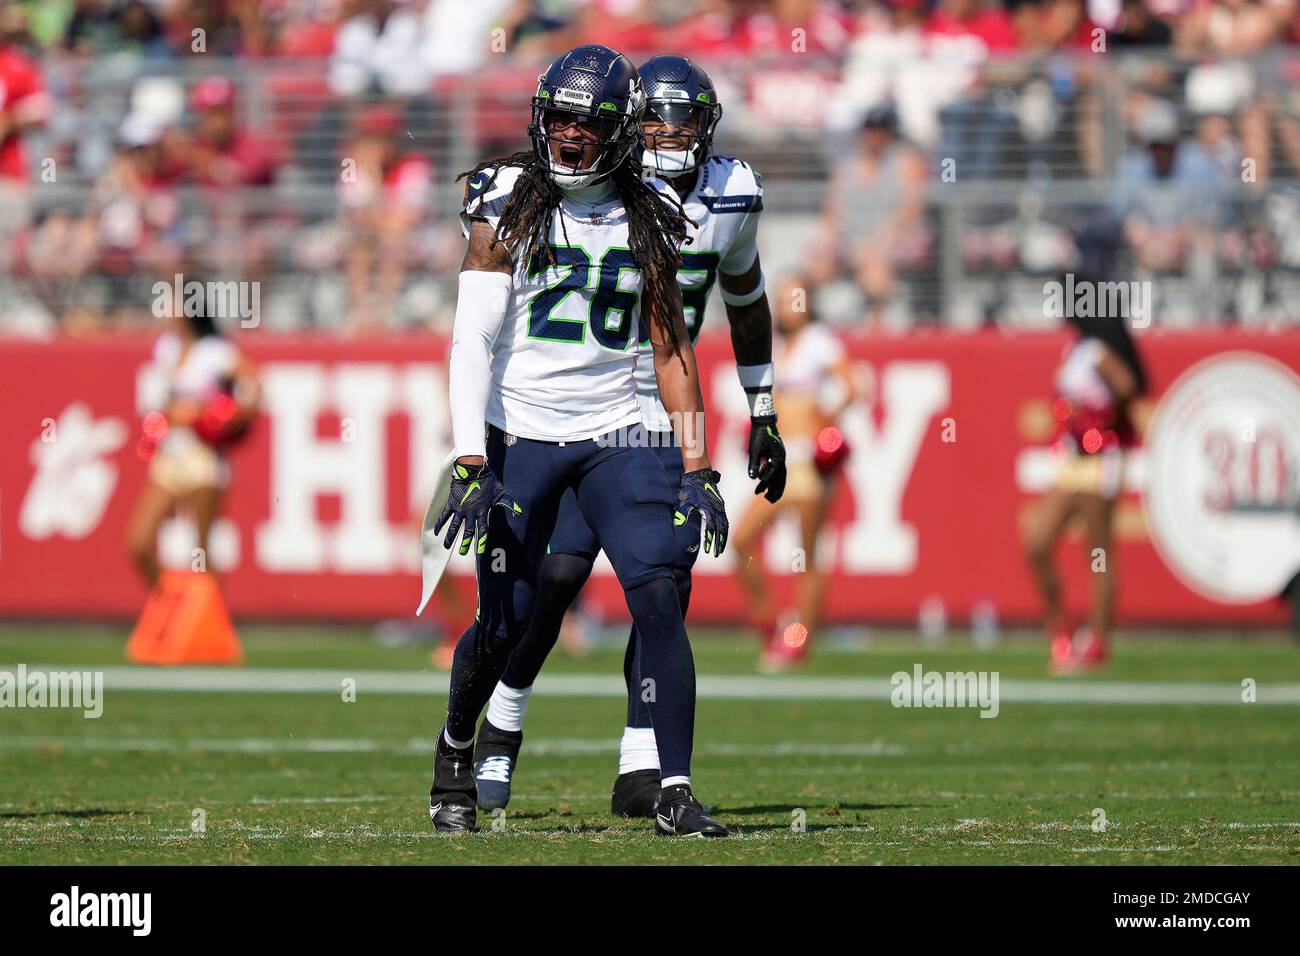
[(571, 154), (574, 143)]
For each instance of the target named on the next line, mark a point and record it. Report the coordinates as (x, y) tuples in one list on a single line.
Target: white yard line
[(1129, 849), (1011, 691), (544, 746)]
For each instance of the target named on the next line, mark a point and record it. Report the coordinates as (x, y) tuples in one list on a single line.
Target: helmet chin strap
[(669, 162)]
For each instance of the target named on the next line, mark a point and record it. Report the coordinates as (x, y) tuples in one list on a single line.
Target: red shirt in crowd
[(246, 160), (406, 183), (826, 31), (992, 25), (22, 98)]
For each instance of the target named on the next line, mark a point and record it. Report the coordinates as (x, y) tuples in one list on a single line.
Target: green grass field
[(285, 771)]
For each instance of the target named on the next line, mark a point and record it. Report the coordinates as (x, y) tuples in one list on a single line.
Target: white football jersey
[(724, 205), (563, 362)]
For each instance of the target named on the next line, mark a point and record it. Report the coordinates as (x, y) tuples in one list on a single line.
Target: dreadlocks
[(655, 229)]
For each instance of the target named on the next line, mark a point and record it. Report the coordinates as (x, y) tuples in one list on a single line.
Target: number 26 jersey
[(562, 366)]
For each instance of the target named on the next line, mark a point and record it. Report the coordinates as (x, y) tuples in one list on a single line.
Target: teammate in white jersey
[(572, 259), (723, 198)]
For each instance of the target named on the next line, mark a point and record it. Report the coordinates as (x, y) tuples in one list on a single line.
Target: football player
[(572, 252), (723, 198)]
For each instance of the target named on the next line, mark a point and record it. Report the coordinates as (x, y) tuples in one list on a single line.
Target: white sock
[(457, 744), (507, 707), (674, 781), (638, 750)]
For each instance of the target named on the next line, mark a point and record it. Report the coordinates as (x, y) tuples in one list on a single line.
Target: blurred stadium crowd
[(926, 161)]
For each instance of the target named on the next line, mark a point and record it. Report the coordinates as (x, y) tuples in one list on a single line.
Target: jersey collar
[(592, 195)]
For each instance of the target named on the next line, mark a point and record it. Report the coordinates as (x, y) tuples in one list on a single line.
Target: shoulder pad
[(734, 185), (488, 189)]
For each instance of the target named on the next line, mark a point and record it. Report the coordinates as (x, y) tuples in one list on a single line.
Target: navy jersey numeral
[(609, 308), (612, 308), (696, 297)]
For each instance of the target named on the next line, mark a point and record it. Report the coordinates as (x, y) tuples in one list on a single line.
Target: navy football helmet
[(598, 89), (677, 93)]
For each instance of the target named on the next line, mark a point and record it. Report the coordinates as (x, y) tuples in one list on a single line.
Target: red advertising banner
[(950, 444)]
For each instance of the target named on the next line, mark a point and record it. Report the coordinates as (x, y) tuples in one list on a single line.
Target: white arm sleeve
[(480, 311)]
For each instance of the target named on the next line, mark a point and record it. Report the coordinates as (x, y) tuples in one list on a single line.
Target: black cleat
[(680, 814), (636, 794), (451, 799), (496, 754)]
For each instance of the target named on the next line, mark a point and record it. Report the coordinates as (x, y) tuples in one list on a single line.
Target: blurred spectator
[(1215, 142), (887, 63), (222, 153), (305, 29), (135, 209), (91, 28), (458, 35), (800, 26), (1004, 89), (83, 262), (1067, 89), (62, 245), (383, 195), (1066, 25), (982, 27), (225, 158), (1235, 30), (1027, 20), (536, 31), (717, 29), (1231, 28), (628, 26), (163, 28), (138, 31), (1161, 225), (24, 106), (379, 47), (216, 27), (24, 103), (1137, 27), (871, 224), (708, 30), (976, 125)]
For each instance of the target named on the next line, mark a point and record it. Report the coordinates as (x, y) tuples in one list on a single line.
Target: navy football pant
[(627, 499), (565, 570)]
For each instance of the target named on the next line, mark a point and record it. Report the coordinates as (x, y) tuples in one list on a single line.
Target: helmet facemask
[(580, 146), (677, 135)]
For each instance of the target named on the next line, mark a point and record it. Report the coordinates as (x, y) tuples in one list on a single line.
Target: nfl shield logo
[(510, 439)]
